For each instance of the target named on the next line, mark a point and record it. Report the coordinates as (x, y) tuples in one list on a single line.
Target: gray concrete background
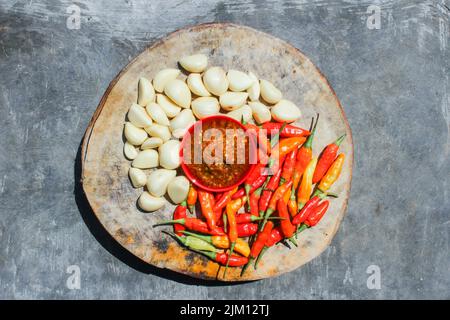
[(393, 84)]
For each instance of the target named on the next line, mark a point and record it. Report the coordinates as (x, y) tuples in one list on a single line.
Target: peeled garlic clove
[(169, 154), (159, 131), (146, 159), (147, 202), (260, 112), (129, 150), (163, 77), (158, 180), (157, 113), (205, 106), (138, 116), (215, 81), (183, 120), (195, 84), (254, 90), (137, 177), (243, 113), (179, 133), (134, 135), (238, 80), (146, 93), (269, 92), (170, 108), (178, 189), (230, 101), (194, 63), (285, 111), (178, 92), (150, 143)]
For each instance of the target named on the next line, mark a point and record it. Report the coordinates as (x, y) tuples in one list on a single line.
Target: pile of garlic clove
[(171, 103)]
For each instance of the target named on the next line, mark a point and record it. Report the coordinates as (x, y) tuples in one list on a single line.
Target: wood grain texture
[(104, 168)]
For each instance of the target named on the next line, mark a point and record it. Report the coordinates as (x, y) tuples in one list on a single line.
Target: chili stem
[(260, 256), (228, 259), (246, 266), (340, 139)]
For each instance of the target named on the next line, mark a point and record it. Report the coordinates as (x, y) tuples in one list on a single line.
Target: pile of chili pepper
[(285, 194)]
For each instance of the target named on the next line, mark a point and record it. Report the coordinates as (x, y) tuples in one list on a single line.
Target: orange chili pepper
[(326, 158), (225, 199), (231, 210), (284, 147), (291, 203), (304, 156), (304, 191), (287, 227), (207, 208), (332, 174), (192, 198)]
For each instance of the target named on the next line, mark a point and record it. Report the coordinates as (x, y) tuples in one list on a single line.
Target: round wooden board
[(105, 169)]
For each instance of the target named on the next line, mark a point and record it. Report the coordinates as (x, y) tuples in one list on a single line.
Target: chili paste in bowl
[(217, 154)]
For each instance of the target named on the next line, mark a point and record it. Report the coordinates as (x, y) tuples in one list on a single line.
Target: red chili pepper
[(261, 137), (238, 194), (254, 199), (274, 181), (218, 217), (217, 197), (194, 224), (307, 209), (179, 213), (277, 195), (304, 157), (268, 191), (275, 236), (286, 226), (247, 218), (326, 159), (288, 167), (259, 243), (317, 214), (255, 185), (255, 174), (225, 199), (287, 131), (205, 199), (247, 229), (233, 261)]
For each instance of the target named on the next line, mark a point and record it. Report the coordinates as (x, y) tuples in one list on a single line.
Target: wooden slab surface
[(105, 169)]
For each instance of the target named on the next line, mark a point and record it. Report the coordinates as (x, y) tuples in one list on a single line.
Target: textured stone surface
[(394, 86)]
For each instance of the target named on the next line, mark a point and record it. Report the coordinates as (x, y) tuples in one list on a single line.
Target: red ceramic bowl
[(193, 178)]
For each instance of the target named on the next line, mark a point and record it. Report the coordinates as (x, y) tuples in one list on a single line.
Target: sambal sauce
[(217, 153)]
